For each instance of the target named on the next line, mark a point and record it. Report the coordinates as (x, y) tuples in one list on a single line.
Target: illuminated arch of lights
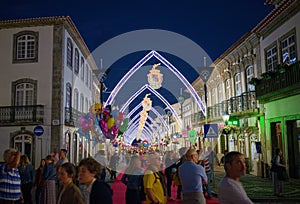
[(149, 117), (154, 111), (168, 65), (147, 86), (129, 136)]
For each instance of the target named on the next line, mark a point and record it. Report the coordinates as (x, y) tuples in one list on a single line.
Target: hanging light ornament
[(147, 104), (155, 78)]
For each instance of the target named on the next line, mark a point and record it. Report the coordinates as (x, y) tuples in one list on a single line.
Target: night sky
[(213, 25)]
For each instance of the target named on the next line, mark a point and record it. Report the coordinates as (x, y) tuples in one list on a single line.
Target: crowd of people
[(54, 182), (148, 178)]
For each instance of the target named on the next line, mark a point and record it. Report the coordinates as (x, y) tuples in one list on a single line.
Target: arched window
[(228, 89), (82, 68), (249, 76), (81, 102), (90, 79), (237, 84), (86, 75), (86, 105), (25, 47), (68, 95), (76, 65), (24, 94), (75, 147), (220, 93), (76, 99), (69, 53), (23, 143)]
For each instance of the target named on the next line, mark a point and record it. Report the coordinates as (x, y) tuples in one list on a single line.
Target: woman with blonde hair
[(26, 174), (132, 178)]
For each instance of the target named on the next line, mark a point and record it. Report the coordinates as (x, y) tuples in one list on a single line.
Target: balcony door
[(24, 94), (25, 97), (293, 138)]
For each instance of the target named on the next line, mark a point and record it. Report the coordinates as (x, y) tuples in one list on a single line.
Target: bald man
[(192, 178)]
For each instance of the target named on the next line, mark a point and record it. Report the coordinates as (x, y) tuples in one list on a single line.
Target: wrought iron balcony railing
[(244, 103), (21, 115), (284, 82), (71, 116)]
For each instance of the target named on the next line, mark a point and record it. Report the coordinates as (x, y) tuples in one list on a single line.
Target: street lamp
[(226, 117)]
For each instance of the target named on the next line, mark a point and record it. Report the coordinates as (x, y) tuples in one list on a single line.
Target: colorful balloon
[(110, 122)]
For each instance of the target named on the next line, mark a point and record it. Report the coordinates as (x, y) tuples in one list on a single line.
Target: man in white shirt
[(230, 188)]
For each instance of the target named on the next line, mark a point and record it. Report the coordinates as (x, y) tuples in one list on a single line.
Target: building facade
[(47, 82), (253, 81)]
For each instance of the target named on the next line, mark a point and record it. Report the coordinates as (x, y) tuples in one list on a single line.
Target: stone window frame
[(69, 54), (15, 59), (268, 48), (285, 36), (20, 81), (76, 61)]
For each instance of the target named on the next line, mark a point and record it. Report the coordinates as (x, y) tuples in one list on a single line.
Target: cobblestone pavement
[(260, 190)]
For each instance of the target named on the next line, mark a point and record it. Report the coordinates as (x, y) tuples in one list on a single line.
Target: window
[(82, 68), (81, 102), (86, 105), (69, 53), (220, 93), (213, 96), (25, 47), (86, 75), (249, 76), (238, 84), (272, 59), (23, 143), (68, 95), (76, 65), (76, 99), (228, 89), (90, 80), (24, 92), (288, 49)]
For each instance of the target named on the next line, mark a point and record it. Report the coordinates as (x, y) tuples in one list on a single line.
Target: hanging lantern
[(155, 78)]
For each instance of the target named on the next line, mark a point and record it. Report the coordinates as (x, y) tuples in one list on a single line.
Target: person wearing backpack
[(133, 178), (154, 181)]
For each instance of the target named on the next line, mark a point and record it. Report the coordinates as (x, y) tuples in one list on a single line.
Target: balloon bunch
[(99, 121)]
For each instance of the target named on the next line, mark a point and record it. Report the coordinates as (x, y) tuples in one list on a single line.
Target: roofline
[(231, 48), (272, 15), (53, 20)]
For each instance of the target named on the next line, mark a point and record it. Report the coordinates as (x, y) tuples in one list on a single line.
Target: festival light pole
[(101, 75)]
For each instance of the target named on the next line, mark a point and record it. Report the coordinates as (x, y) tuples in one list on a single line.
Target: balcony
[(279, 84), (245, 103), (21, 115), (71, 116)]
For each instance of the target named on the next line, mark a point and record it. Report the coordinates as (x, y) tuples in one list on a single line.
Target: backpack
[(142, 189)]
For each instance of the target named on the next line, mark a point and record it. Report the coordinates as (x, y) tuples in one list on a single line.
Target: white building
[(46, 80)]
